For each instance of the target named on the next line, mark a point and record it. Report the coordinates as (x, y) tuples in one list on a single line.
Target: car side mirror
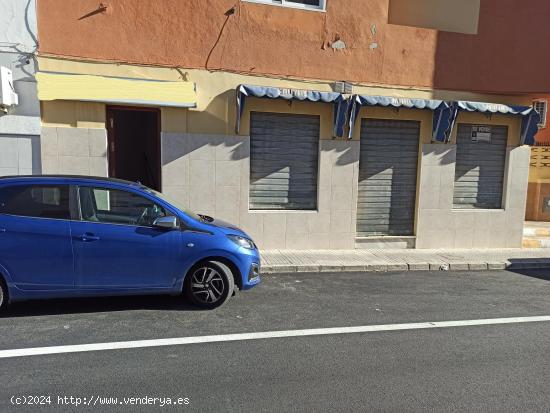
[(166, 223)]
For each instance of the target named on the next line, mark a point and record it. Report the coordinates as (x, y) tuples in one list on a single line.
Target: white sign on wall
[(481, 134)]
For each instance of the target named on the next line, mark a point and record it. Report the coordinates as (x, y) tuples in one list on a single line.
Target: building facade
[(239, 110), (19, 124)]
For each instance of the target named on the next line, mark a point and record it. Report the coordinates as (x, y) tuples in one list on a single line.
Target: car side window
[(38, 201), (114, 206)]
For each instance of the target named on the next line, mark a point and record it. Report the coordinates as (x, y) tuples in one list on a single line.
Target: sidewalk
[(381, 260)]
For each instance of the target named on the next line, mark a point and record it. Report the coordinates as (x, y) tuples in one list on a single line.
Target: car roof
[(67, 178)]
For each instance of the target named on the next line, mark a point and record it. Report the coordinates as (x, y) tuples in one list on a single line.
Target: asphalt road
[(476, 368)]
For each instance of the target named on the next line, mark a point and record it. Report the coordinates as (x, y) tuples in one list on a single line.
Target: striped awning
[(530, 118), (118, 90), (337, 99), (445, 113), (442, 117)]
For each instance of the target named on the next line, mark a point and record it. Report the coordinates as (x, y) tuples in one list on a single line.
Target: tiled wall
[(439, 226), (210, 174), (76, 151), (19, 155)]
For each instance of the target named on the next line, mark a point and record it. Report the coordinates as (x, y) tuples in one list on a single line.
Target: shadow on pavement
[(97, 305), (538, 268), (540, 274)]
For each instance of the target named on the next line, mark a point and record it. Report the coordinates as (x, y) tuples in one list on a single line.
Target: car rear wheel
[(209, 284)]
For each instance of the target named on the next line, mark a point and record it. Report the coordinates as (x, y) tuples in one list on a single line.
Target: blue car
[(74, 236)]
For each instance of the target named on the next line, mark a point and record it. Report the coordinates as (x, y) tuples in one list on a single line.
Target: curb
[(395, 267)]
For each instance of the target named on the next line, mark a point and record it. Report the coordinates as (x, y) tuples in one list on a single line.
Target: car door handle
[(88, 237), (2, 230)]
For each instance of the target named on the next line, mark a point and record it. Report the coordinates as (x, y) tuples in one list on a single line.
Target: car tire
[(209, 284), (3, 295)]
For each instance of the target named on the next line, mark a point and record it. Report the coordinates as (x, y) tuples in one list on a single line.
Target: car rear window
[(40, 201)]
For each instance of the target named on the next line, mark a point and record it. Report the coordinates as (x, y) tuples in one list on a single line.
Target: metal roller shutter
[(284, 152), (387, 177), (479, 174)]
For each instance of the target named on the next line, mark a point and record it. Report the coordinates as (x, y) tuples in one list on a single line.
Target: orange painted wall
[(264, 39)]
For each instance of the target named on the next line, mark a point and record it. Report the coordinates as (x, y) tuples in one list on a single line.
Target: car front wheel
[(209, 284), (3, 295)]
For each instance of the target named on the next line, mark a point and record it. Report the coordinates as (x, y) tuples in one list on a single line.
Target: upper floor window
[(299, 4), (541, 106)]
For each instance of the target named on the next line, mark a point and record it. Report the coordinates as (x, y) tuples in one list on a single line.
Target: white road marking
[(37, 351)]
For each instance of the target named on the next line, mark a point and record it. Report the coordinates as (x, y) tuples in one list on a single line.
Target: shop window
[(284, 152), (541, 106), (300, 4), (480, 164)]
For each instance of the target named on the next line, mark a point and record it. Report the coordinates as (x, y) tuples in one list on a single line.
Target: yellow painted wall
[(174, 120), (461, 16), (215, 111), (64, 113)]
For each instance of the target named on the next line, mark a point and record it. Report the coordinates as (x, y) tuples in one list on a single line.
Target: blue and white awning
[(346, 111), (445, 113), (442, 123), (530, 117), (340, 103)]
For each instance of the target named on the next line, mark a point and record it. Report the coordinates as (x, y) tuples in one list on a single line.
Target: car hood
[(226, 227)]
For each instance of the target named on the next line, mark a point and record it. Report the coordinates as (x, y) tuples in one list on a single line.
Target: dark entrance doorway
[(134, 144)]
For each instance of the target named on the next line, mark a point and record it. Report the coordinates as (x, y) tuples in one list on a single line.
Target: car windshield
[(173, 202)]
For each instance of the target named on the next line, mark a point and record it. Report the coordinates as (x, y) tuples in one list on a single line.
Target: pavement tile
[(279, 268), (356, 268), (402, 260), (419, 266), (459, 266), (477, 266), (308, 268), (397, 267), (333, 268), (376, 268)]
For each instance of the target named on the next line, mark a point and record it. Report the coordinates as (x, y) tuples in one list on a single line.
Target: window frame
[(72, 204), (137, 193), (285, 3), (502, 203), (543, 119)]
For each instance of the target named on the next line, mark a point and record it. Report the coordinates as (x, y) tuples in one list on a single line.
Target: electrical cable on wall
[(228, 14)]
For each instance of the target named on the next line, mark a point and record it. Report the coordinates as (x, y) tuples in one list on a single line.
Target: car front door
[(116, 245), (35, 236)]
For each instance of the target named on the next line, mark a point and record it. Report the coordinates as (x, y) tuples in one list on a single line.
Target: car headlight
[(242, 241)]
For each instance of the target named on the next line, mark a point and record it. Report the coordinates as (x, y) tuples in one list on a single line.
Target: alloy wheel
[(207, 285)]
